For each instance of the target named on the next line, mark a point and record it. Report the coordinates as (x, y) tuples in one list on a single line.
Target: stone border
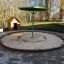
[(11, 32)]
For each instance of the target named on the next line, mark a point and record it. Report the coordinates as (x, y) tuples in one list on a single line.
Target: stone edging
[(29, 31)]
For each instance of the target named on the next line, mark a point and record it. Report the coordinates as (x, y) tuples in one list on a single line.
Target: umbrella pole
[(32, 24)]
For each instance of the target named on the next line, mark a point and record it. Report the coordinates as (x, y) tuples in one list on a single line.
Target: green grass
[(53, 27)]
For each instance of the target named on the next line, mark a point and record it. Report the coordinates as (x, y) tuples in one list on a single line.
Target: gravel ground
[(44, 57), (24, 41)]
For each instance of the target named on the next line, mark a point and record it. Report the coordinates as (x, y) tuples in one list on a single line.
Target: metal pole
[(32, 23)]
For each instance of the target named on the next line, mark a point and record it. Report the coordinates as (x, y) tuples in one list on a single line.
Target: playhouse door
[(15, 26)]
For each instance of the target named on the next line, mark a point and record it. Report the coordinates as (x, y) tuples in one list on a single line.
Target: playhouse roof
[(11, 18)]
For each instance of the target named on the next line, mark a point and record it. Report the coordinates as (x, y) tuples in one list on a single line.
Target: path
[(17, 57)]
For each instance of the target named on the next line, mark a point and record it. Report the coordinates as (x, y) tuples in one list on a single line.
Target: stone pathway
[(44, 57)]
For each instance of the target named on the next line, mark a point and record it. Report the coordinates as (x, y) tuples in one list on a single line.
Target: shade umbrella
[(33, 10)]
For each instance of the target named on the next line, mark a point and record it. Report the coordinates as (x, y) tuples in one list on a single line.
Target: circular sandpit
[(24, 41)]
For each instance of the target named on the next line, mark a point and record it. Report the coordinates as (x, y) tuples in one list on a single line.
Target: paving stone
[(1, 55), (38, 62), (62, 62), (18, 57)]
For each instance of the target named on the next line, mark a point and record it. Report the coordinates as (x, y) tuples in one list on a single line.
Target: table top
[(33, 8)]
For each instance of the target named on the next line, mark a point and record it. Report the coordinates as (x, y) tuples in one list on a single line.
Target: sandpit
[(24, 41)]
